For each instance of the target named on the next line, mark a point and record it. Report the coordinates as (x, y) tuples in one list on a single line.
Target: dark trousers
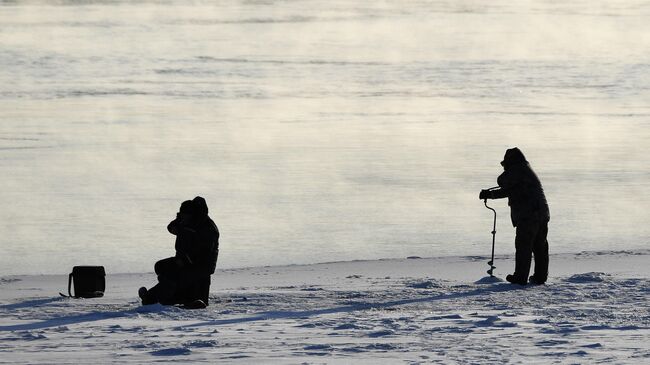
[(169, 273), (178, 284), (531, 241)]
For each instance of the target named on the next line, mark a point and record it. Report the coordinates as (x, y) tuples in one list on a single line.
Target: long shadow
[(86, 317), (350, 308), (263, 316), (64, 321), (30, 303)]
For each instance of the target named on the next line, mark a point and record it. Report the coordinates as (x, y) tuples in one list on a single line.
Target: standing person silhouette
[(529, 214)]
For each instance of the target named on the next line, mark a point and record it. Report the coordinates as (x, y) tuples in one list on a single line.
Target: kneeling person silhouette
[(185, 278)]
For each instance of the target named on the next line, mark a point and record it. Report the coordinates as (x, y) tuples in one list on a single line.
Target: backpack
[(89, 282)]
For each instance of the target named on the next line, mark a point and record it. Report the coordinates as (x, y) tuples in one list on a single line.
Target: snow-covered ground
[(595, 309)]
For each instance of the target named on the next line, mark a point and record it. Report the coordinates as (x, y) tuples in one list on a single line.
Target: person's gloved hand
[(485, 194)]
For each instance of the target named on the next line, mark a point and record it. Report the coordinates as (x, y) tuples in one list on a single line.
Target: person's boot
[(536, 281), (142, 293), (515, 280)]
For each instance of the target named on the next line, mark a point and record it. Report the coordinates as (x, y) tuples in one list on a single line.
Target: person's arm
[(507, 184), (173, 226), (185, 240)]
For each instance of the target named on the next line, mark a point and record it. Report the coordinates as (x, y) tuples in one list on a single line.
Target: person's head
[(200, 208), (186, 211), (513, 156)]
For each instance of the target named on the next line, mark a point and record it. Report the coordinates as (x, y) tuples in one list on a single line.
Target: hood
[(512, 157), (187, 207), (200, 207)]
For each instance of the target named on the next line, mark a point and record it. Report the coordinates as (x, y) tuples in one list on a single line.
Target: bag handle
[(69, 287), (70, 284)]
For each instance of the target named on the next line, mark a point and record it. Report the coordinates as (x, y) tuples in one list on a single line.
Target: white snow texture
[(594, 309)]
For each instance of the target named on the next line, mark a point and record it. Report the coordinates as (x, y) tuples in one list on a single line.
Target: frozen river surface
[(316, 130)]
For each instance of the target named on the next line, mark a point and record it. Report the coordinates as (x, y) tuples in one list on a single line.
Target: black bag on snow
[(89, 282)]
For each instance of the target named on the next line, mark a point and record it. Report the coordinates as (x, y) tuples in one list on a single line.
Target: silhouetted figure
[(185, 278), (529, 213)]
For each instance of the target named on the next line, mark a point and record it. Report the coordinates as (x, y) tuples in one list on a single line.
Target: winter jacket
[(522, 187), (197, 243)]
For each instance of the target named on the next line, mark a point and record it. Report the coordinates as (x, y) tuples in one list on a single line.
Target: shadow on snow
[(30, 303), (270, 315), (351, 308)]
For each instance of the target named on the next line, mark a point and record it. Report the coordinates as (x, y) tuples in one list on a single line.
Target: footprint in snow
[(323, 347), (448, 316), (382, 333), (494, 321), (174, 351), (428, 284)]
